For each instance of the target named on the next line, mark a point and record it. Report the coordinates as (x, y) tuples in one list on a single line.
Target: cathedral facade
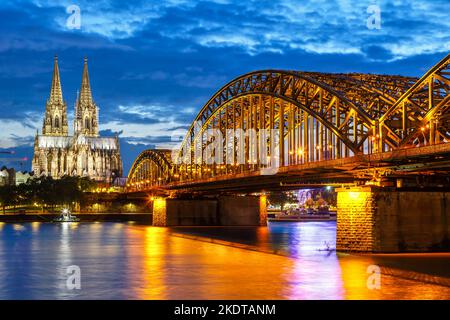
[(85, 153)]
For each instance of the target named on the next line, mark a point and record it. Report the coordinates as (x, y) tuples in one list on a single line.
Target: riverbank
[(142, 218)]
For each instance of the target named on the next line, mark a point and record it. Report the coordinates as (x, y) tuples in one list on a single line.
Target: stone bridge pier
[(220, 211), (374, 219)]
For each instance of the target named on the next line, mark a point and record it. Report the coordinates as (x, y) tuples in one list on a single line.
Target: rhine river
[(130, 261)]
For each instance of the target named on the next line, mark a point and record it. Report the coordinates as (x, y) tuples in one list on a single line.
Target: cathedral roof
[(62, 142), (54, 141), (98, 143)]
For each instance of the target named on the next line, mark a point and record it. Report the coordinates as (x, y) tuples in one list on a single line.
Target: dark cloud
[(110, 133), (377, 53), (20, 159), (150, 140)]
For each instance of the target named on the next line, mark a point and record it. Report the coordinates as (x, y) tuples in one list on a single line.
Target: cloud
[(34, 26), (110, 133), (156, 75), (317, 26), (15, 133), (314, 26), (154, 64), (148, 124), (200, 81), (152, 140)]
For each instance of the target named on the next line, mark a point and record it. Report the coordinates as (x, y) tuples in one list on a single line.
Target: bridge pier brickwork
[(159, 216), (220, 211), (374, 219)]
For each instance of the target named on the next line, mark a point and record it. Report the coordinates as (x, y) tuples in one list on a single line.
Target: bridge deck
[(327, 172)]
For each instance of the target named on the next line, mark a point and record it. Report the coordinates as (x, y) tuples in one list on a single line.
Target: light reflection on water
[(122, 261)]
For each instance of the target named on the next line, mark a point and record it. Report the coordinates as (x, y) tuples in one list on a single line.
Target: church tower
[(55, 120), (86, 118)]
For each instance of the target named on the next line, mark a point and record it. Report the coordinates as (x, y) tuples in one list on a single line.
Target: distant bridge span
[(335, 128)]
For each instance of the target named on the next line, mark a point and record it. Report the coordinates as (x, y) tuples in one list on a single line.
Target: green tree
[(9, 196), (4, 196), (47, 191), (280, 198)]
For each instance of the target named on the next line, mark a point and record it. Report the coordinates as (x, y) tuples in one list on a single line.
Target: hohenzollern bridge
[(382, 140)]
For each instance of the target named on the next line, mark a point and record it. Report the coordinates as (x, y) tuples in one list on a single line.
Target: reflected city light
[(35, 226), (281, 261), (18, 227)]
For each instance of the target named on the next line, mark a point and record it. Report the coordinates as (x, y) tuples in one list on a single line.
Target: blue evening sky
[(153, 64)]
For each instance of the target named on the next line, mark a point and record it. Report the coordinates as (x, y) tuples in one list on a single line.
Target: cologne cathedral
[(85, 153)]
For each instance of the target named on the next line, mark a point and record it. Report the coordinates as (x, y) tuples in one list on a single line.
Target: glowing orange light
[(354, 195)]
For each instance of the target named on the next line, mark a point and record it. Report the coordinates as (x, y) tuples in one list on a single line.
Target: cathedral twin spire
[(85, 93), (86, 119), (56, 91), (55, 121)]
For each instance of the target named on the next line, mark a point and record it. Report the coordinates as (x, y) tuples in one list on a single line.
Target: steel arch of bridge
[(320, 116), (420, 115), (150, 169), (314, 97)]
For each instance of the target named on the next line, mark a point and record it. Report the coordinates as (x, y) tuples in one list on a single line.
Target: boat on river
[(66, 216), (302, 215)]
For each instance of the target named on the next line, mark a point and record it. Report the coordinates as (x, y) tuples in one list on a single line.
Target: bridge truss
[(320, 117)]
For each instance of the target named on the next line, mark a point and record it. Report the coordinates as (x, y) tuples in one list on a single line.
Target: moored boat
[(66, 216)]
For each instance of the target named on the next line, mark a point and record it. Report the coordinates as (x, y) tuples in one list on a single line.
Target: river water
[(129, 261)]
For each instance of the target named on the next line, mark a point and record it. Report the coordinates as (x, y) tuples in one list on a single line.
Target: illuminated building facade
[(85, 153)]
